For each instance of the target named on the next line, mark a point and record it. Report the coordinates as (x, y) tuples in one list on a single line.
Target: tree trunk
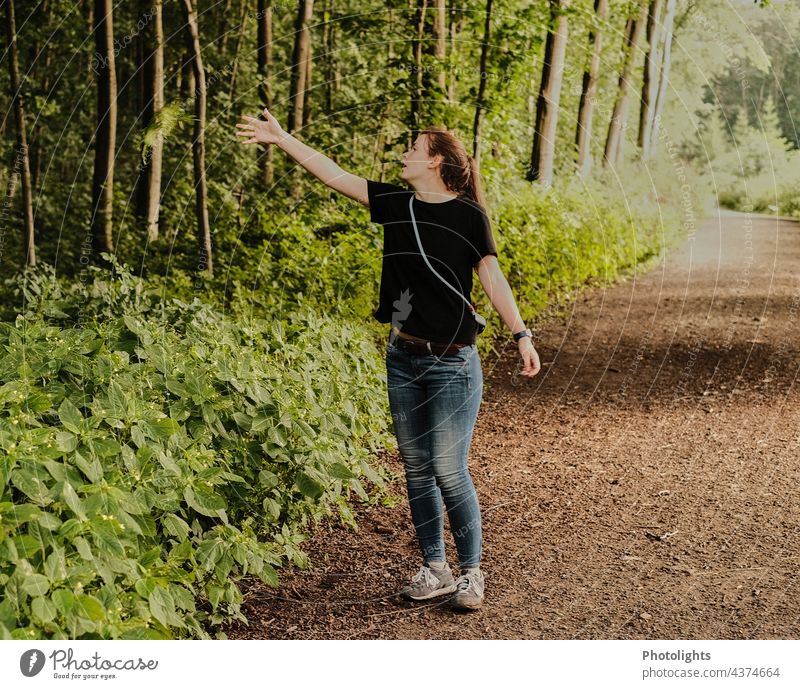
[(264, 57), (650, 78), (198, 145), (327, 46), (21, 158), (106, 131), (416, 77), (633, 34), (583, 136), (297, 90), (156, 154), (666, 61), (476, 128), (440, 35), (237, 50), (302, 44), (307, 99), (223, 29), (544, 136)]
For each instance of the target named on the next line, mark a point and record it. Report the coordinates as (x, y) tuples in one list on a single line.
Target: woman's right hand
[(258, 131)]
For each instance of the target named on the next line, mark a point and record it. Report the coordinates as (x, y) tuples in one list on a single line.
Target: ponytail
[(459, 170)]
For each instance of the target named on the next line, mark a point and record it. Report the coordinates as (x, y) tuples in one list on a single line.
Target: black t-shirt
[(455, 236)]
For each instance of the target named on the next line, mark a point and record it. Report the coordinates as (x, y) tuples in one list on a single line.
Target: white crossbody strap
[(419, 244)]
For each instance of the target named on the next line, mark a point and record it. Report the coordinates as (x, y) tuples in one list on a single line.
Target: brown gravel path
[(644, 485)]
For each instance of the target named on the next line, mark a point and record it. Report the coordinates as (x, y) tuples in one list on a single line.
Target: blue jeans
[(434, 401)]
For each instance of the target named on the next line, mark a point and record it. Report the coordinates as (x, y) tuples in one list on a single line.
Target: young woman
[(434, 375)]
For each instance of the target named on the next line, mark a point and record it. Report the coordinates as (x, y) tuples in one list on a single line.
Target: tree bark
[(237, 50), (21, 158), (633, 34), (416, 77), (307, 99), (198, 145), (650, 77), (156, 154), (583, 135), (479, 105), (264, 58), (302, 44), (106, 131), (666, 61), (544, 136), (440, 35)]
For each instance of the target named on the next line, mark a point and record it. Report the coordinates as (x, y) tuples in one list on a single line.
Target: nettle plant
[(159, 453)]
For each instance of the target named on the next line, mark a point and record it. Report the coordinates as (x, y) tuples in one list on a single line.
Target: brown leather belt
[(426, 347)]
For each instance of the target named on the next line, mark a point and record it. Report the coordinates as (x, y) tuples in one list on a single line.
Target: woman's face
[(416, 160)]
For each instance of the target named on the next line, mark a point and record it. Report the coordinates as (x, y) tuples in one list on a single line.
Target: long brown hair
[(459, 170)]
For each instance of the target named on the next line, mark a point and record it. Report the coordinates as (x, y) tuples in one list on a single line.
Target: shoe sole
[(433, 594)]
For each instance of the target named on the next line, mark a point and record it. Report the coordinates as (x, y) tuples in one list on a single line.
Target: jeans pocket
[(456, 360)]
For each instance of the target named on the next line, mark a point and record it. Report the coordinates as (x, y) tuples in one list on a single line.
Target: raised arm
[(269, 131)]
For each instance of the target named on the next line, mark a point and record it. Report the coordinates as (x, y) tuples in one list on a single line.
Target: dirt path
[(644, 485)]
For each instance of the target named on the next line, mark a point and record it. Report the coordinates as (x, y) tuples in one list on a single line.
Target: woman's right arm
[(270, 132)]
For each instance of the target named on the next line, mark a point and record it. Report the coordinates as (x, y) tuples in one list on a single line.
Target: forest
[(190, 374)]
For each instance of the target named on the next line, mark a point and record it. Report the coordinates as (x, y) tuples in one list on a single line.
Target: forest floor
[(643, 486)]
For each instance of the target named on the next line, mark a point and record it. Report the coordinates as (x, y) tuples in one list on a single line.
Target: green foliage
[(160, 452), (754, 168)]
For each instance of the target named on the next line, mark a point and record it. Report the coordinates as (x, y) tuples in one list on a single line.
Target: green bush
[(159, 452)]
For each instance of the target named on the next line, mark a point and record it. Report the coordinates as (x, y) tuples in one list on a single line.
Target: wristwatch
[(523, 333)]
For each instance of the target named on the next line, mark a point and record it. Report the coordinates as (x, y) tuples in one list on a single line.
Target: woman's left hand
[(530, 357)]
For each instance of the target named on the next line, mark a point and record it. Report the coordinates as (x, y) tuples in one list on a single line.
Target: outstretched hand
[(257, 131)]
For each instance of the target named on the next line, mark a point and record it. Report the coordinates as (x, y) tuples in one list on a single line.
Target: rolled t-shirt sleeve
[(483, 243), (384, 201)]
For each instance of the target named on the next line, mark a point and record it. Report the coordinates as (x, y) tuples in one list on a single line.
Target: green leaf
[(55, 566), (36, 584), (64, 600), (89, 607), (203, 500), (175, 526), (267, 479), (340, 471), (309, 486), (161, 429), (162, 607), (272, 508), (71, 499), (44, 609), (66, 441), (268, 575), (32, 486), (70, 416)]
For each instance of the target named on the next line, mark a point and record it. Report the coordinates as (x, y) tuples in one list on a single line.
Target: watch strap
[(522, 333)]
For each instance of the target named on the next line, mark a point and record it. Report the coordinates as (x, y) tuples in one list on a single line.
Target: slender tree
[(198, 144), (416, 77), (440, 42), (583, 135), (106, 130), (633, 32), (22, 138), (238, 49), (307, 99), (264, 58), (652, 66), (544, 136), (666, 60), (480, 104), (302, 47), (148, 185)]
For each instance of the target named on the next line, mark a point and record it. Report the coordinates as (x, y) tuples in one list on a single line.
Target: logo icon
[(402, 309), (31, 662)]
